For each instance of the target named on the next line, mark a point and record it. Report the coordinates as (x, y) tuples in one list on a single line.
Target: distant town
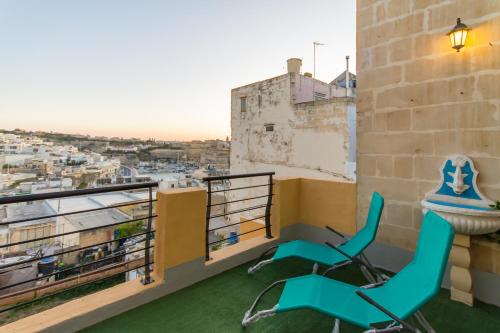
[(38, 162)]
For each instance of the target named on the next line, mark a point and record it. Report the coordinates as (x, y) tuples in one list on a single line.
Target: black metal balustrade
[(224, 182), (115, 261)]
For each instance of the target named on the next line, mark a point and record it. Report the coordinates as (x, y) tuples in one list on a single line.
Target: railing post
[(207, 226), (268, 208), (147, 273)]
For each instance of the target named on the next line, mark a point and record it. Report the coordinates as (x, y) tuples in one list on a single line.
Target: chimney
[(347, 76), (294, 65)]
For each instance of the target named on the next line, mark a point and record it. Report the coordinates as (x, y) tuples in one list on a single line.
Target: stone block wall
[(419, 101)]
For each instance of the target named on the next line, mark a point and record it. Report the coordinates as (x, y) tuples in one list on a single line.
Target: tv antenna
[(315, 43)]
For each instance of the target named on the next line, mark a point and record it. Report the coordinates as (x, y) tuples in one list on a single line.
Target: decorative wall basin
[(458, 199)]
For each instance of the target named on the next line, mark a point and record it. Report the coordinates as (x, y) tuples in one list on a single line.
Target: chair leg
[(249, 317), (367, 262), (425, 324), (368, 275), (393, 327), (336, 327), (259, 265)]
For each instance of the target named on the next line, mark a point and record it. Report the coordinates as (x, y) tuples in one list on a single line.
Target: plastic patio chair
[(388, 302), (323, 254)]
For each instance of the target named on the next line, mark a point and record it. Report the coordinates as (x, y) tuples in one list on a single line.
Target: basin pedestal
[(460, 275)]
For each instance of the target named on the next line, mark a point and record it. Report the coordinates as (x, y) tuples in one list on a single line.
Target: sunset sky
[(161, 69)]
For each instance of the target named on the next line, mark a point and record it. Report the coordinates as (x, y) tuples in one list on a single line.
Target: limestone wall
[(419, 101)]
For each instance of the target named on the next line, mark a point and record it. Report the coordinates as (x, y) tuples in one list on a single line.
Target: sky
[(156, 68)]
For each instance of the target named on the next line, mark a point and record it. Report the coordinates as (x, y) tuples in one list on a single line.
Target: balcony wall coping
[(91, 309)]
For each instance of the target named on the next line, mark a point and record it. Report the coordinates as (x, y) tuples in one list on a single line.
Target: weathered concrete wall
[(419, 101), (266, 102), (309, 139)]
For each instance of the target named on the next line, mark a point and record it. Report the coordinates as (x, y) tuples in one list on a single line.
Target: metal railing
[(222, 184), (110, 256)]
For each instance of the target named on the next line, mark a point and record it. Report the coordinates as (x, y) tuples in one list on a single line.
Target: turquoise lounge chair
[(388, 303), (323, 254)]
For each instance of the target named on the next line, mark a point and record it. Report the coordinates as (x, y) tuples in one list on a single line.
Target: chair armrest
[(356, 260), (335, 231), (384, 310), (342, 243), (345, 263), (336, 248)]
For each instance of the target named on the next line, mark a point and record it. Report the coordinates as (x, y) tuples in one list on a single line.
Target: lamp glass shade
[(458, 35), (457, 38)]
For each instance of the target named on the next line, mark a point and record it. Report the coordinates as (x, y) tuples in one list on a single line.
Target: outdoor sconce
[(458, 35)]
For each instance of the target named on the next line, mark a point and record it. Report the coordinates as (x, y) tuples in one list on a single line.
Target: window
[(269, 127), (319, 96), (243, 101)]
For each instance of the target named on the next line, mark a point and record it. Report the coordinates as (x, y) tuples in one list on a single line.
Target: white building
[(8, 179), (11, 144), (46, 186), (14, 160), (106, 220), (24, 231)]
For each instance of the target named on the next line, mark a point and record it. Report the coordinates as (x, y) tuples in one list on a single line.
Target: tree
[(129, 229)]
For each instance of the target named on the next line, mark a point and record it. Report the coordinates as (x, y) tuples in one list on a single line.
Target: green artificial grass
[(218, 304)]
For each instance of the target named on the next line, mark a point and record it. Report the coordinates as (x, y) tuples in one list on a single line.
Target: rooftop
[(112, 198), (18, 212), (96, 219), (66, 205), (218, 304), (340, 80)]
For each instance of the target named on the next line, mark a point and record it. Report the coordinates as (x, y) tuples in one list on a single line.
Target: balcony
[(190, 293)]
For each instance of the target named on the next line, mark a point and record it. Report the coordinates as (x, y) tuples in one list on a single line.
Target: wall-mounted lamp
[(458, 35)]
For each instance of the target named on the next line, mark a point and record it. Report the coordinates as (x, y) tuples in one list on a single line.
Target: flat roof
[(23, 211), (142, 195), (74, 204), (100, 218), (66, 205), (112, 198)]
